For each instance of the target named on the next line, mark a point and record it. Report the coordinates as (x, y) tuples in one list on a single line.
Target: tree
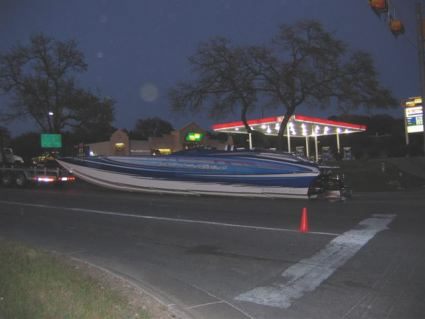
[(385, 135), (4, 136), (304, 65), (4, 140), (225, 81), (151, 127), (40, 79), (307, 65), (91, 117)]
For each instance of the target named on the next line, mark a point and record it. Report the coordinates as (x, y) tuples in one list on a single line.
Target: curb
[(175, 311)]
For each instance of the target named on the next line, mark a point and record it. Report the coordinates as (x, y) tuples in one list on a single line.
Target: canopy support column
[(250, 140), (288, 134), (316, 147), (307, 147), (338, 145)]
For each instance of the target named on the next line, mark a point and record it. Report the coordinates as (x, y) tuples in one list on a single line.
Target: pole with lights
[(397, 28), (421, 51)]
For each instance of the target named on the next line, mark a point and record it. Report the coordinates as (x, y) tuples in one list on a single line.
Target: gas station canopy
[(298, 126)]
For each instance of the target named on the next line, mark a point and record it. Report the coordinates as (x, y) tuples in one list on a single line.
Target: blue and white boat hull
[(246, 174)]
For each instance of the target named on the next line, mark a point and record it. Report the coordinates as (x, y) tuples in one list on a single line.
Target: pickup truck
[(10, 158)]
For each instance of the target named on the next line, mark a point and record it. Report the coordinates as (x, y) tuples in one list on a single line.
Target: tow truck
[(13, 172)]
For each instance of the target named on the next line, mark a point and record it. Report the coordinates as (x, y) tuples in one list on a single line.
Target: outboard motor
[(330, 184)]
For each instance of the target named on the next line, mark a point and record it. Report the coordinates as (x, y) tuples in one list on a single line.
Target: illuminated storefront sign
[(413, 115), (194, 137), (119, 146)]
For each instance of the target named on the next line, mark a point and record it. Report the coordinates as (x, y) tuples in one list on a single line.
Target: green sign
[(51, 140), (194, 137)]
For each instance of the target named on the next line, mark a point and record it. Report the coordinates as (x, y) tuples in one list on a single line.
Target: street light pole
[(51, 121), (421, 51)]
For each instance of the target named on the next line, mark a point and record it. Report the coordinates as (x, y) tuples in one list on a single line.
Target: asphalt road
[(239, 258)]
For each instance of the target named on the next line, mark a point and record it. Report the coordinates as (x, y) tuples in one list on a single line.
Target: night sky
[(136, 50)]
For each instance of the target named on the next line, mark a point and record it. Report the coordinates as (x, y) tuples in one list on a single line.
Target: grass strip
[(34, 284), (377, 176)]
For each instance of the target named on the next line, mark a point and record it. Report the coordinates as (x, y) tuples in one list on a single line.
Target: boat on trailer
[(255, 173)]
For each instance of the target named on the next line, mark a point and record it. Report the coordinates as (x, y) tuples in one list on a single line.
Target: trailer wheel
[(20, 180), (6, 179)]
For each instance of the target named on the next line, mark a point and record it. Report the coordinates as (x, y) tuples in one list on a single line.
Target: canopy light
[(326, 130)]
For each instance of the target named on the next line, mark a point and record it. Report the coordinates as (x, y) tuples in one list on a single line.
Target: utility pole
[(421, 51)]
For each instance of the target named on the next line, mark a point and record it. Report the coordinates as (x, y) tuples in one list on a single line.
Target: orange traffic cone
[(304, 221)]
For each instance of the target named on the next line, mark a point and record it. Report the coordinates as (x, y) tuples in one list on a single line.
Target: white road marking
[(224, 301), (306, 275), (168, 219), (205, 304)]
